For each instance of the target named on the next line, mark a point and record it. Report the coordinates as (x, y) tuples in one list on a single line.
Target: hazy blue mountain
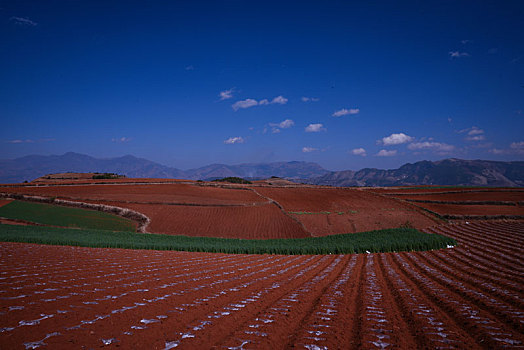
[(31, 167), (444, 172)]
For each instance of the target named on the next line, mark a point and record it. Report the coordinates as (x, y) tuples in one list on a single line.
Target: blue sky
[(188, 83)]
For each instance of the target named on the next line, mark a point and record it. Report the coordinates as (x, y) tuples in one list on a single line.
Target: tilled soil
[(458, 209), (504, 196), (154, 193), (469, 296), (4, 202), (325, 211)]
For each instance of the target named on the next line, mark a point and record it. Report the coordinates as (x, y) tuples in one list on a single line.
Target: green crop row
[(403, 239), (64, 216)]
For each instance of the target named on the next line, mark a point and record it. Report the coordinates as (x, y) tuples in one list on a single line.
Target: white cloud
[(244, 104), (476, 138), (190, 67), (475, 131), (226, 94), (458, 54), (251, 102), (121, 139), (314, 128), (309, 99), (474, 134), (21, 141), (280, 100), (396, 139), (345, 111), (233, 140), (309, 149), (385, 153), (514, 148), (498, 151), (434, 146), (284, 124), (23, 21), (359, 152), (465, 41)]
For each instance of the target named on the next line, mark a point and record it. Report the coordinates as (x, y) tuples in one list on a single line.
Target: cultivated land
[(244, 211), (52, 215), (468, 296)]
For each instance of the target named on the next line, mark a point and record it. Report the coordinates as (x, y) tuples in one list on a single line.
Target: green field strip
[(55, 215), (403, 239)]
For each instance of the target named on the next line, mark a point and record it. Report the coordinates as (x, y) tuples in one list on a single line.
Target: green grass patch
[(64, 216), (233, 180), (375, 241)]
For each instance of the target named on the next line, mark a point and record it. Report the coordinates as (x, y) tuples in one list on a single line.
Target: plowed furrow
[(379, 322), (507, 313), (453, 261), (498, 259), (431, 327), (233, 320), (485, 327), (321, 328), (486, 236), (498, 288), (163, 312), (117, 306), (276, 323)]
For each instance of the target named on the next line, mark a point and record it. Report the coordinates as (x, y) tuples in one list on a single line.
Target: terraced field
[(470, 296), (242, 211)]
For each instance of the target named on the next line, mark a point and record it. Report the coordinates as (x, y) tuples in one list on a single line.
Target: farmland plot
[(469, 296), (250, 222), (325, 211), (139, 193)]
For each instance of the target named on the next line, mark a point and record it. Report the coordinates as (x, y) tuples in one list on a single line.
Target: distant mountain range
[(445, 172), (31, 167), (454, 172)]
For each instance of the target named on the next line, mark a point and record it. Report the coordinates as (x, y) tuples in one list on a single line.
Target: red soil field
[(250, 222), (436, 189), (350, 210), (508, 196), (246, 211), (481, 210), (169, 193), (4, 202), (466, 297)]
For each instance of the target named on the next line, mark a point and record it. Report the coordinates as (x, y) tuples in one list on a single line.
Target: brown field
[(469, 203), (326, 211), (503, 196), (154, 193), (435, 189), (4, 202), (480, 210), (249, 222), (467, 297), (243, 211)]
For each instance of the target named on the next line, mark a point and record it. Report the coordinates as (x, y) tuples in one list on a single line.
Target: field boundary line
[(271, 200), (142, 220)]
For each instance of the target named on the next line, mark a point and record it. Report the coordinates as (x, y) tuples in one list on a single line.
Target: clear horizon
[(186, 84)]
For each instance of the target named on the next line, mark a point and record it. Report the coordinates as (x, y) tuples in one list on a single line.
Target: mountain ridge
[(450, 171)]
